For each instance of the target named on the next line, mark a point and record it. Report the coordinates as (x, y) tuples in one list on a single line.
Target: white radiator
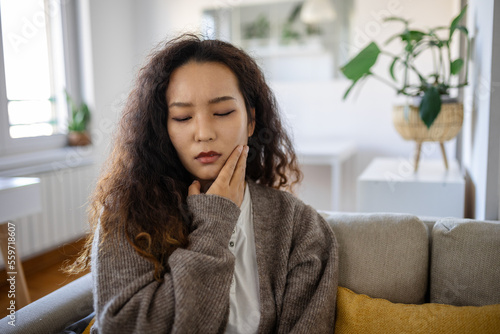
[(63, 217)]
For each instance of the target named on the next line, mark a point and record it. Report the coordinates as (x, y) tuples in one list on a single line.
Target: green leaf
[(80, 115), (361, 64), (456, 66), (391, 69), (295, 13), (408, 36), (438, 43), (413, 35), (430, 106), (349, 89), (455, 23), (463, 30), (394, 18)]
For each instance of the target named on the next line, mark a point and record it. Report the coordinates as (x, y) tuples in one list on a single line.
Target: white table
[(337, 154), (391, 185), (19, 196)]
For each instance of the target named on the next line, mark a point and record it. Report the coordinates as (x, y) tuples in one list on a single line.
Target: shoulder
[(267, 198), (291, 227)]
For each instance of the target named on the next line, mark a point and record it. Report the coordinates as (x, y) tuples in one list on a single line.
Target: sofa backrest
[(465, 262), (382, 255), (409, 260)]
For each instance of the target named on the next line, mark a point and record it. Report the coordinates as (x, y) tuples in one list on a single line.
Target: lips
[(208, 157)]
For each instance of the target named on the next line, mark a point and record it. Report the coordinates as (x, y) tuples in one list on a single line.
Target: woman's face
[(207, 117)]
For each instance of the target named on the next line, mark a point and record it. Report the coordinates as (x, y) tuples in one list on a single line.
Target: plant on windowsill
[(432, 115), (257, 32), (77, 123)]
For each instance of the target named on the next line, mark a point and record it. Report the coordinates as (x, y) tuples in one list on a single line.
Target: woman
[(191, 231)]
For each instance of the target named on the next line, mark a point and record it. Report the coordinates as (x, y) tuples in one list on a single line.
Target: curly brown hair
[(143, 189)]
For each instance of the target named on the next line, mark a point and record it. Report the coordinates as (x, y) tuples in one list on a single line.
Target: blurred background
[(58, 54)]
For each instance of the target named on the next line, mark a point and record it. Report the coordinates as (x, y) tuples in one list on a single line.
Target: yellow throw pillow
[(89, 327), (361, 314)]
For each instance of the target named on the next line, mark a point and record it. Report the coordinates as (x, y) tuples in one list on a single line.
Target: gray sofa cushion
[(382, 255), (54, 312), (465, 262)]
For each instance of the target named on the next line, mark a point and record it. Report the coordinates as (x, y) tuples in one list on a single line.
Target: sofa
[(397, 259)]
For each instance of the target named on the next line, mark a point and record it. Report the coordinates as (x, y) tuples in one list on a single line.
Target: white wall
[(114, 61), (480, 153)]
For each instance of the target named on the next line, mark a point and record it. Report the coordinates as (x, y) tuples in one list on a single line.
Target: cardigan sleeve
[(194, 295), (312, 279)]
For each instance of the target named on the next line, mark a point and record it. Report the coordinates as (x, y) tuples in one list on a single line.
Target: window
[(35, 46)]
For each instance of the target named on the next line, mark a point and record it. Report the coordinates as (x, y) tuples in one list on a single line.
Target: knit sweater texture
[(297, 260)]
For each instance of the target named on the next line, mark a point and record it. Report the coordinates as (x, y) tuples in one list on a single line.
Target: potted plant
[(430, 116), (77, 123), (257, 32)]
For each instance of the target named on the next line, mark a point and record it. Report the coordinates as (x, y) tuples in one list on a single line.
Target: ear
[(251, 123)]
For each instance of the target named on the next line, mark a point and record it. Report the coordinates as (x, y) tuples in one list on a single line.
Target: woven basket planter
[(445, 127)]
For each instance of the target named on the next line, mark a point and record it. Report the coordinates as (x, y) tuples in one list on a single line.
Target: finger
[(227, 170), (194, 188), (239, 172)]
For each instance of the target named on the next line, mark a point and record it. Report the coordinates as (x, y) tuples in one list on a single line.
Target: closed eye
[(224, 114), (181, 119)]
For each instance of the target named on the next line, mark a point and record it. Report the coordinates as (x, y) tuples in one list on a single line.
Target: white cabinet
[(391, 185)]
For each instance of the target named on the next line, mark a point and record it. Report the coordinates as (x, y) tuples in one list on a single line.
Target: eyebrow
[(212, 101)]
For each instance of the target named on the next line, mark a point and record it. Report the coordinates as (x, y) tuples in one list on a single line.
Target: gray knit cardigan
[(297, 260)]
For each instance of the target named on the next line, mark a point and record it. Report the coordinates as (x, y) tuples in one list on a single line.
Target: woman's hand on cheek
[(230, 182)]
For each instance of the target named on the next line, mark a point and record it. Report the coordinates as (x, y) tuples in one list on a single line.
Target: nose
[(205, 130)]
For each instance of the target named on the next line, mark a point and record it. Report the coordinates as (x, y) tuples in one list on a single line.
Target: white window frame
[(12, 148)]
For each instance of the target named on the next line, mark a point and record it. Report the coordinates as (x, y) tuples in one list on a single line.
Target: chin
[(209, 177), (205, 179)]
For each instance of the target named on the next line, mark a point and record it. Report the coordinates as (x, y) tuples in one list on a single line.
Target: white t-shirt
[(244, 305)]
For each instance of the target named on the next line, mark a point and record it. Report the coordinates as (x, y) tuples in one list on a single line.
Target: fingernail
[(247, 148), (240, 148)]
